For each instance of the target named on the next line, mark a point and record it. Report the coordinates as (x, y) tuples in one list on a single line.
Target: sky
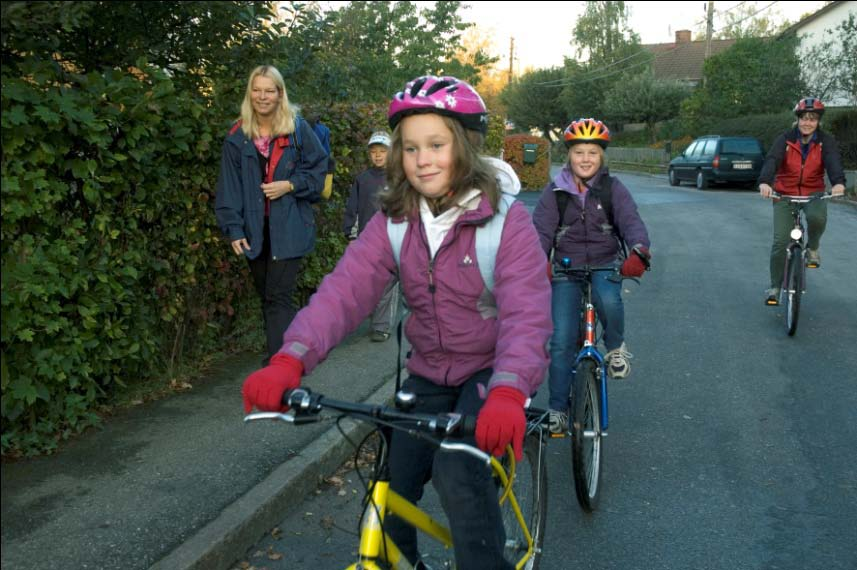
[(542, 30)]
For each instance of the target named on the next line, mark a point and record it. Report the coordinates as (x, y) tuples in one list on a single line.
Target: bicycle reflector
[(796, 234)]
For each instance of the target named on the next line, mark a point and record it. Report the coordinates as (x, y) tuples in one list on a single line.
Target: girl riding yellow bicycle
[(476, 349)]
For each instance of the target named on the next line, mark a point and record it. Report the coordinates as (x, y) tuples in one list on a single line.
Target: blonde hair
[(469, 171), (284, 118)]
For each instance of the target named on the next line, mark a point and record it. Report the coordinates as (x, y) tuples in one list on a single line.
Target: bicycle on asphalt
[(794, 275), (522, 486), (587, 425)]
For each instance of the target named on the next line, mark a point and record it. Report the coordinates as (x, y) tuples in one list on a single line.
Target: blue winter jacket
[(240, 203)]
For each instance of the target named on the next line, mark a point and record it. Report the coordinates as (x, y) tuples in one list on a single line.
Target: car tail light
[(716, 163)]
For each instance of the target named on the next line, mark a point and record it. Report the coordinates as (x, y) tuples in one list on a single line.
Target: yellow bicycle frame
[(384, 502)]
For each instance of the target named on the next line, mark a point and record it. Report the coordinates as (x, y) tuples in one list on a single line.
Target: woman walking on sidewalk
[(271, 172)]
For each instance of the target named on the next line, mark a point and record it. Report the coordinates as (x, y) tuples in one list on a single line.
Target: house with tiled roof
[(682, 59)]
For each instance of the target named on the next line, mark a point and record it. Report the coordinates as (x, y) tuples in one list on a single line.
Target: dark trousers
[(275, 283), (465, 486)]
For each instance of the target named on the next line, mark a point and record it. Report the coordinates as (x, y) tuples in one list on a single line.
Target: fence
[(638, 155)]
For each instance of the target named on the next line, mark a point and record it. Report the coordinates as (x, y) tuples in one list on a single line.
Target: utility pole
[(511, 57), (709, 29)]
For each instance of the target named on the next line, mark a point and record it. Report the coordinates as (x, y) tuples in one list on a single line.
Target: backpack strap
[(488, 241), (604, 193), (396, 233)]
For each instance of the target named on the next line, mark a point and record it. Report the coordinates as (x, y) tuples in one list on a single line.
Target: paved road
[(731, 447)]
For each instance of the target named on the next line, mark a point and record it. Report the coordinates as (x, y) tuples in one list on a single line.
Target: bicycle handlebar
[(802, 199), (307, 406), (585, 270)]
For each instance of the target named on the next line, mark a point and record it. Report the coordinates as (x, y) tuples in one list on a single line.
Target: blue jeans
[(565, 309), (465, 486)]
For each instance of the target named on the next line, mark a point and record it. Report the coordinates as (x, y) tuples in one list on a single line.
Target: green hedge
[(112, 266), (351, 125), (533, 176)]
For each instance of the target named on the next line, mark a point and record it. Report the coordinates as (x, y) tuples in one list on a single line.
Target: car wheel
[(701, 181), (674, 181)]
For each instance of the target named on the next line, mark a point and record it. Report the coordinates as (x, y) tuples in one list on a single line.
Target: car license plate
[(742, 165)]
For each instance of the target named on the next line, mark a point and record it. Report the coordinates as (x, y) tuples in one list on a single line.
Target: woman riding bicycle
[(466, 341), (586, 234), (795, 166)]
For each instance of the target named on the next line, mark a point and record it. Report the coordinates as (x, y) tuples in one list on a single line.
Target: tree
[(370, 49), (755, 75), (611, 51), (602, 34), (830, 68), (747, 21), (534, 101), (642, 98)]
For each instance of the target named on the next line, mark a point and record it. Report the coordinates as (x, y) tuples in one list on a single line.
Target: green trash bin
[(530, 152)]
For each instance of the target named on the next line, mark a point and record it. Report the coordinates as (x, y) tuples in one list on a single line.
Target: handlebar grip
[(468, 426)]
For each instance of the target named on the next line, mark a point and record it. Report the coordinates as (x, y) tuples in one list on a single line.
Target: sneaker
[(557, 421), (813, 258), (379, 336), (772, 297), (618, 366)]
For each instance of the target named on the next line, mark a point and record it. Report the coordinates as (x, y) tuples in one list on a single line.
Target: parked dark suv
[(712, 159)]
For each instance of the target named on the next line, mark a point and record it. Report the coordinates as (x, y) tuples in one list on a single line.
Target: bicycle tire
[(794, 290), (586, 436), (530, 485)]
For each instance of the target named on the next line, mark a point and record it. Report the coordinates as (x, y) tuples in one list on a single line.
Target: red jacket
[(797, 176)]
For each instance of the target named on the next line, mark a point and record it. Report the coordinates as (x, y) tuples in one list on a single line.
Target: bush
[(843, 126), (351, 125), (112, 265), (533, 176)]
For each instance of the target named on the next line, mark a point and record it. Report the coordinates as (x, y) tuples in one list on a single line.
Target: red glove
[(636, 263), (265, 388), (501, 422)]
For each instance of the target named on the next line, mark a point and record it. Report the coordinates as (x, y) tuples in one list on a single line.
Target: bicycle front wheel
[(586, 435), (794, 289), (530, 486)]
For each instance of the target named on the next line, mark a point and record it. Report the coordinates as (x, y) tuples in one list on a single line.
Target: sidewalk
[(182, 483)]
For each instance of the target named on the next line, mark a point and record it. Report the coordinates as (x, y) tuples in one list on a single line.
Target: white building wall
[(813, 33)]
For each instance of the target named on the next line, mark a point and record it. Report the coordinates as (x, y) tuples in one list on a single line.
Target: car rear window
[(741, 146)]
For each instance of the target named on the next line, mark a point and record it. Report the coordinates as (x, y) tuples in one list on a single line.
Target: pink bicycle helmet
[(443, 95), (809, 105)]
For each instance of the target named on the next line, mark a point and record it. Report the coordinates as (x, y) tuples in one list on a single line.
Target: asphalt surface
[(183, 483)]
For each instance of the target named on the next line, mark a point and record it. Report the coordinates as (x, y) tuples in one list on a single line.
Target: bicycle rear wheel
[(586, 435), (794, 289), (531, 487)]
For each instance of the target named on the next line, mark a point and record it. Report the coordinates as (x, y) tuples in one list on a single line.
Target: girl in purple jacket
[(584, 235), (474, 351)]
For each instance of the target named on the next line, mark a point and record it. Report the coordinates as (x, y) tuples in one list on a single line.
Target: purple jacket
[(455, 328), (589, 239)]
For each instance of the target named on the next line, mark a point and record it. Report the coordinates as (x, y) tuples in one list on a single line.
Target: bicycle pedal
[(812, 265), (558, 435)]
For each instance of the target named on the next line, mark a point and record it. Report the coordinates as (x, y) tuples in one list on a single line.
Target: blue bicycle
[(588, 398)]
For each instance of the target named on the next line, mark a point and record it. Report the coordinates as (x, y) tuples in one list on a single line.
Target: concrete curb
[(225, 539)]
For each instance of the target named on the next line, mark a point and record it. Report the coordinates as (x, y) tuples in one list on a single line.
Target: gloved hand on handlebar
[(501, 422), (265, 388), (637, 262)]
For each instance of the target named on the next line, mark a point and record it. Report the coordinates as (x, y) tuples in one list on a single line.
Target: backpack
[(487, 240), (604, 194)]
